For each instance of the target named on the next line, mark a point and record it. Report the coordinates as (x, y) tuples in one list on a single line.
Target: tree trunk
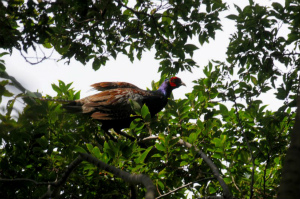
[(290, 180)]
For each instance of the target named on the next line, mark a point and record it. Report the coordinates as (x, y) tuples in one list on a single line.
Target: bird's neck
[(165, 89)]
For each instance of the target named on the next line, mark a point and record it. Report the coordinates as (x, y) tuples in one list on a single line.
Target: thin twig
[(55, 184), (26, 180), (183, 186), (248, 146), (265, 173), (37, 62)]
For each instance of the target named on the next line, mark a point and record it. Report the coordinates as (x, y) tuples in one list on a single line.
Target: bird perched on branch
[(112, 106)]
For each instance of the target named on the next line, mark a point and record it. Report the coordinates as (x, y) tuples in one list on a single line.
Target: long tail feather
[(102, 86), (70, 106), (73, 107), (55, 100)]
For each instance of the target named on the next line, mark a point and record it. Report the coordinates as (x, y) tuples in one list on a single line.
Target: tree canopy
[(220, 141)]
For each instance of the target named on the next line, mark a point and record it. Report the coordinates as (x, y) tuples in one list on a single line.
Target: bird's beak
[(182, 84)]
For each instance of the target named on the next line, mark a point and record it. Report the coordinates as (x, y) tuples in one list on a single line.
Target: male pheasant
[(112, 106)]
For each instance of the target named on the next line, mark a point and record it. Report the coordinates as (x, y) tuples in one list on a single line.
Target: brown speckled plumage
[(112, 106)]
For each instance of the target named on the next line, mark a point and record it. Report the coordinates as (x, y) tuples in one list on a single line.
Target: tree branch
[(289, 184), (26, 180), (17, 84), (56, 184), (39, 59), (186, 185), (213, 167), (209, 162), (131, 178), (248, 146)]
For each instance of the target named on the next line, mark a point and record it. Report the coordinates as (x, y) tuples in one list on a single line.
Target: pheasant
[(112, 106)]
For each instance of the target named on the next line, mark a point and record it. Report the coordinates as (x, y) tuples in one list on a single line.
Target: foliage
[(224, 115), (97, 30)]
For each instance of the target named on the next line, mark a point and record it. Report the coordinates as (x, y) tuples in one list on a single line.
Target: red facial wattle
[(173, 81)]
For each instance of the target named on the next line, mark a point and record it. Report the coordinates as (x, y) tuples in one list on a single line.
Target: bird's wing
[(112, 104), (102, 86)]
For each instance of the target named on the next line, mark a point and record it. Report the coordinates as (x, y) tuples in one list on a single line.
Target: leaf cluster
[(98, 30)]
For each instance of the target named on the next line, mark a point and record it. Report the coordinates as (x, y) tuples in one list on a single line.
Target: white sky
[(40, 77)]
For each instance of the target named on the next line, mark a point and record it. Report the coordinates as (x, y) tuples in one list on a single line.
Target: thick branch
[(213, 167), (131, 178), (17, 84), (289, 185), (69, 170), (58, 184)]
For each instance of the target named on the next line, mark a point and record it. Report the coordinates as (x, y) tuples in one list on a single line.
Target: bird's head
[(169, 84), (175, 82)]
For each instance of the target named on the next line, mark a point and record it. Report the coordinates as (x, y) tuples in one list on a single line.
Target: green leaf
[(254, 80), (77, 95), (212, 190), (145, 113), (2, 68), (192, 138), (43, 141), (277, 6), (190, 48), (232, 17), (223, 109), (160, 147), (96, 152), (183, 163), (79, 149), (4, 53), (47, 45), (56, 89), (166, 18), (89, 147), (244, 156), (96, 64), (217, 142), (137, 124), (217, 156), (202, 38), (135, 105), (161, 185), (142, 157)]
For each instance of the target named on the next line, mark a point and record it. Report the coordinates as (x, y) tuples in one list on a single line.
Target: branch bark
[(289, 185), (213, 167), (131, 178)]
